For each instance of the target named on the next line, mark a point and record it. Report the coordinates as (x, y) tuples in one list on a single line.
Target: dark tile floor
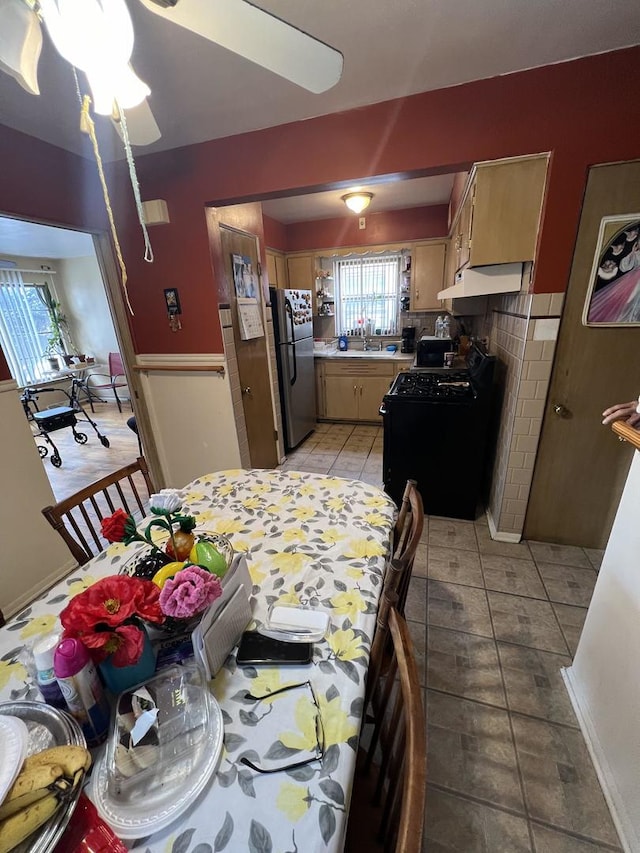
[(492, 624)]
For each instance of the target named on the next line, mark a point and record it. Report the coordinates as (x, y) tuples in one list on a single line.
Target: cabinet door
[(281, 272), (427, 273), (301, 272), (464, 230), (272, 271), (370, 393), (506, 213), (341, 395)]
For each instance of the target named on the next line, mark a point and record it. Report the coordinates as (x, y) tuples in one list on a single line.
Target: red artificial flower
[(110, 601), (123, 646), (147, 601), (113, 528)]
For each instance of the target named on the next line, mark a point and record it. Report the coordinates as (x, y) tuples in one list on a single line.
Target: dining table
[(309, 539)]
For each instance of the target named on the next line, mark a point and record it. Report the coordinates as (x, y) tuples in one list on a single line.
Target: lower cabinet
[(352, 391)]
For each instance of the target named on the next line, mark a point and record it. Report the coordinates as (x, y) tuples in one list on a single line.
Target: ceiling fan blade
[(20, 43), (141, 124), (259, 37)]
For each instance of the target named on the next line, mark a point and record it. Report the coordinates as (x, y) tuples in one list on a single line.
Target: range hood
[(481, 281)]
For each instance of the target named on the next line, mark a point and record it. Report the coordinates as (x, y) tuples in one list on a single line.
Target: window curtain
[(23, 327), (367, 294)]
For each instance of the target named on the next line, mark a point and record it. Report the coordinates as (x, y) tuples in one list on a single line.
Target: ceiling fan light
[(20, 44), (96, 36), (357, 202)]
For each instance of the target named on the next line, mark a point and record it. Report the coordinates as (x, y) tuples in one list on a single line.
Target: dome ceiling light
[(357, 201)]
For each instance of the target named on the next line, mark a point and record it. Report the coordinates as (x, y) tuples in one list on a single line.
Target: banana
[(70, 758), (19, 826), (32, 784)]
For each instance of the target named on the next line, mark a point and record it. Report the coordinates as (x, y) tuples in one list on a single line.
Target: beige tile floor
[(492, 624)]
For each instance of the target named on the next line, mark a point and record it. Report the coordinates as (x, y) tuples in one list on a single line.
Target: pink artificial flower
[(189, 592)]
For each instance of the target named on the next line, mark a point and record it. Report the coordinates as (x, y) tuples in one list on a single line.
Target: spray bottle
[(82, 690)]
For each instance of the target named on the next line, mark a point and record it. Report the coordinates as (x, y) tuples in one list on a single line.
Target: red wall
[(557, 108), (414, 223), (275, 234)]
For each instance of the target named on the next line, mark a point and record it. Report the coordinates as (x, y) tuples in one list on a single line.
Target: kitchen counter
[(374, 355)]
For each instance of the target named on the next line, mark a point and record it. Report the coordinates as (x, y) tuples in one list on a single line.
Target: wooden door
[(252, 361), (581, 466), (427, 275), (341, 397), (463, 244)]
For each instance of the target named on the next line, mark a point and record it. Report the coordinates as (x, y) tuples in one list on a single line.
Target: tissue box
[(224, 622)]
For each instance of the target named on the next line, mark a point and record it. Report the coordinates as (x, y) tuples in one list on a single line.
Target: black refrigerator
[(293, 330)]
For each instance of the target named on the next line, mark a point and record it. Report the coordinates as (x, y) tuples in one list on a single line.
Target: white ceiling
[(201, 91), (29, 240), (386, 196)]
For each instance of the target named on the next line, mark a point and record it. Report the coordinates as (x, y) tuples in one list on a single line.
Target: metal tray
[(47, 727)]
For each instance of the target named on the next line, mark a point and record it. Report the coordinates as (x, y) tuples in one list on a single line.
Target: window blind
[(25, 327), (367, 295)]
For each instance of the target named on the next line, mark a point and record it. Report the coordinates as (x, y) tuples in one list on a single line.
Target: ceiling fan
[(96, 36)]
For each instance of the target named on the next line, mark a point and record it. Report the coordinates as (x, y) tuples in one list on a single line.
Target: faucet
[(367, 345)]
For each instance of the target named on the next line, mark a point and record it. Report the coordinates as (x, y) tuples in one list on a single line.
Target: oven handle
[(382, 410)]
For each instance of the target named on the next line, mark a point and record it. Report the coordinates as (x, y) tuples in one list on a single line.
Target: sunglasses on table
[(320, 737)]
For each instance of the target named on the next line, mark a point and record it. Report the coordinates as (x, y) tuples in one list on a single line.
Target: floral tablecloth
[(308, 538)]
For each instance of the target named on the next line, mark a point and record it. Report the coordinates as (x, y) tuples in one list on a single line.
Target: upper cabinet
[(497, 222), (427, 275), (301, 270), (277, 269), (499, 218)]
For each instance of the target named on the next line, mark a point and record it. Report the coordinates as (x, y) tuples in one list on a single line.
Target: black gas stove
[(422, 385), (435, 431)]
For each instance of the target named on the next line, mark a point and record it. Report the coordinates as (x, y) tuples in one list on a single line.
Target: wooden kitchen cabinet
[(277, 269), (499, 217), (301, 271), (427, 275), (353, 390)]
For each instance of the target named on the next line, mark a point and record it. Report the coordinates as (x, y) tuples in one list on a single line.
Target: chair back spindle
[(77, 518)]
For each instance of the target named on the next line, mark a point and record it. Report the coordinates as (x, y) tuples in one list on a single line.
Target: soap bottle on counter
[(343, 343)]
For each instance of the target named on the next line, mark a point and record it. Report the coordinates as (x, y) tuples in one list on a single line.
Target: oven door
[(441, 445)]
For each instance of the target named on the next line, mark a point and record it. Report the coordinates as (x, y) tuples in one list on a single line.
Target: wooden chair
[(388, 801), (116, 376), (77, 518), (406, 537)]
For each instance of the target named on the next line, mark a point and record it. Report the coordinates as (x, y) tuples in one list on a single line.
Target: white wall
[(604, 681), (82, 293), (191, 416), (33, 554)]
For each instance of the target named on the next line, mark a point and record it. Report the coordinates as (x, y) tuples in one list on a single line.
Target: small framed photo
[(172, 298), (613, 297)]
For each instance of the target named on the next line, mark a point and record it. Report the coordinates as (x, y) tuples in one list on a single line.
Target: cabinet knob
[(355, 389), (561, 411), (247, 391)]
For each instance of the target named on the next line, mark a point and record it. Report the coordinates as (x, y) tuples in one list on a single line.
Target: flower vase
[(120, 678)]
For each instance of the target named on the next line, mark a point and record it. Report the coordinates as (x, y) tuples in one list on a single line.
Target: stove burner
[(452, 386)]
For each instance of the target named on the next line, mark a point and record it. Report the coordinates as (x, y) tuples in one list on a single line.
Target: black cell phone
[(256, 649)]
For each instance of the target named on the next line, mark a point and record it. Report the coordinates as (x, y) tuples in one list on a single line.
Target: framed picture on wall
[(613, 297)]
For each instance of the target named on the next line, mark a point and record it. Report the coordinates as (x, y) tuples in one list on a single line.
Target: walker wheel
[(42, 450), (80, 437), (104, 441), (56, 461)]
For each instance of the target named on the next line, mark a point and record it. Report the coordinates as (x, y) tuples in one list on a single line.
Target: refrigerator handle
[(292, 342)]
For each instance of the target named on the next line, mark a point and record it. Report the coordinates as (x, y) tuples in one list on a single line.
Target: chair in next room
[(117, 379)]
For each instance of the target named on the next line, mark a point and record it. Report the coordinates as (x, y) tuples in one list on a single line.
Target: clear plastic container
[(296, 623), (159, 732), (164, 746)]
